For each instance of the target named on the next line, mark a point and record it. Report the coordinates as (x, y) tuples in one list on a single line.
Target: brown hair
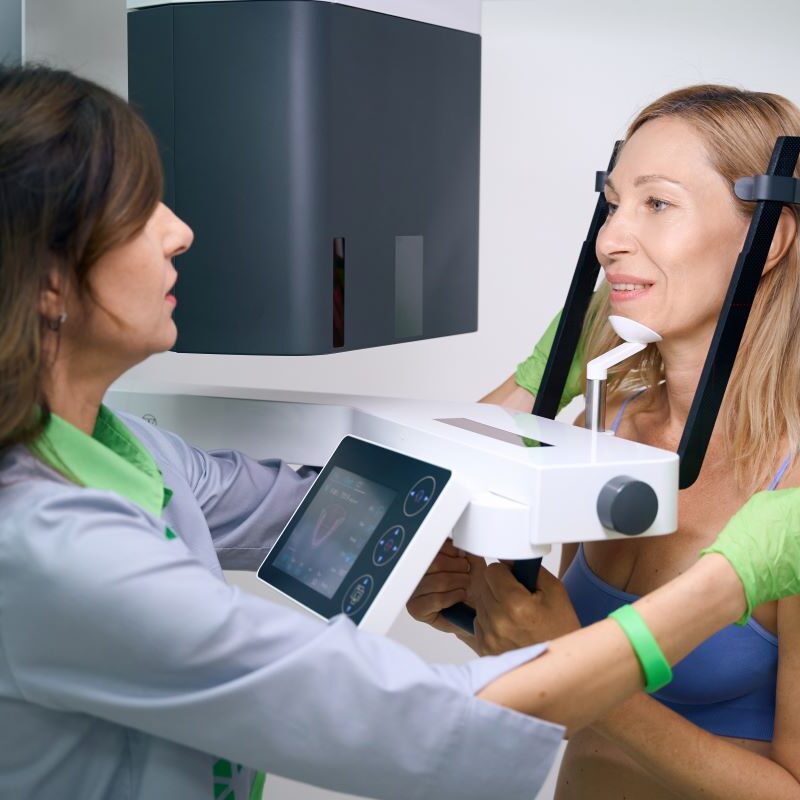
[(761, 409), (79, 175)]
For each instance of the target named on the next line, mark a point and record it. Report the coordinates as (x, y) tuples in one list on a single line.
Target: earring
[(55, 324)]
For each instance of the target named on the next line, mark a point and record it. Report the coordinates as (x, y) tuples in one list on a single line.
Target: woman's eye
[(612, 207), (656, 204)]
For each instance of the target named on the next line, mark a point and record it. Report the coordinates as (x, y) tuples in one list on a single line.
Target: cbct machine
[(327, 154)]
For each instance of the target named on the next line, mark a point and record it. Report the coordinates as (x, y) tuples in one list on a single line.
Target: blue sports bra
[(726, 685)]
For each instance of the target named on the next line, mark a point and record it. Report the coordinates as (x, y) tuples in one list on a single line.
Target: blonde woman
[(728, 726)]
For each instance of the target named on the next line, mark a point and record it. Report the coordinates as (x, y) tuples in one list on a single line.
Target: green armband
[(656, 668)]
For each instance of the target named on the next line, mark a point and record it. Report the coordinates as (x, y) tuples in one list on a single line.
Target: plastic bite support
[(596, 376), (597, 369)]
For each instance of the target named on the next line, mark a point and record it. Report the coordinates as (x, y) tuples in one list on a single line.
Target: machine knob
[(627, 506)]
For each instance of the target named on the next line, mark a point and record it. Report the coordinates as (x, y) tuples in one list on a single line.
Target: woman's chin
[(164, 342), (170, 335)]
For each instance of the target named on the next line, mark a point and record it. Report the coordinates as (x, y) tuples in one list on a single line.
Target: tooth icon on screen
[(331, 518)]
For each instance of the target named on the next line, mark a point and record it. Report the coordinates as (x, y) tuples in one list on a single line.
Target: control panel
[(365, 533)]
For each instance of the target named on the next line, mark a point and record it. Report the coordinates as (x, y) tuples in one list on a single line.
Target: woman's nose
[(185, 237), (615, 238), (180, 236)]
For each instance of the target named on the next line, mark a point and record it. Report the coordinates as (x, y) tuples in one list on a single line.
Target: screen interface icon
[(333, 530)]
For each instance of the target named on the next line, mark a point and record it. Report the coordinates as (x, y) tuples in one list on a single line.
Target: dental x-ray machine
[(399, 476)]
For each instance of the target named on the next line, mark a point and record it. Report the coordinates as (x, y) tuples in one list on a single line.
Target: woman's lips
[(625, 295), (170, 298), (625, 287)]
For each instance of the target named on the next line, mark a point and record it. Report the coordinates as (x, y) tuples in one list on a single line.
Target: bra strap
[(621, 412), (780, 473)]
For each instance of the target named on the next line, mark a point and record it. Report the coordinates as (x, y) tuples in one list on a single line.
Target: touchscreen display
[(333, 530)]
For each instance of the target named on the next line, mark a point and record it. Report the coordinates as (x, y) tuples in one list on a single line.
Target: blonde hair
[(761, 409)]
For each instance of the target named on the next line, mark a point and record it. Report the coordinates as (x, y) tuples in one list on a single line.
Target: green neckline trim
[(111, 459)]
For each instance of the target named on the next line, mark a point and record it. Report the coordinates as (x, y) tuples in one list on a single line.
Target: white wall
[(86, 36), (560, 82)]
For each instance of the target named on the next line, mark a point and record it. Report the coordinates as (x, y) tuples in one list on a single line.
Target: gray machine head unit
[(327, 158)]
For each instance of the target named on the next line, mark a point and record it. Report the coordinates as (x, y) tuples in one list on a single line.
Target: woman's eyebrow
[(646, 179), (651, 178)]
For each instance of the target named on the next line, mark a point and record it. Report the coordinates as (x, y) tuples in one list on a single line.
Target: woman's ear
[(784, 238), (52, 297)]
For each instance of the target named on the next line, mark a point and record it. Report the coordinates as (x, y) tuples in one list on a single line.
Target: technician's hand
[(444, 584), (509, 616)]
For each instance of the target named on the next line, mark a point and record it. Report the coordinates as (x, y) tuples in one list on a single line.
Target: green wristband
[(656, 668)]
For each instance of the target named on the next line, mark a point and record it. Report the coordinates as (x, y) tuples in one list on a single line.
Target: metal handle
[(527, 572), (461, 615)]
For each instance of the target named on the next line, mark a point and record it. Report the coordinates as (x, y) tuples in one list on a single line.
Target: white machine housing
[(519, 499)]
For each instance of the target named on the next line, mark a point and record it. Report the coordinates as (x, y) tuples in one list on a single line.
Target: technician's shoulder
[(54, 530)]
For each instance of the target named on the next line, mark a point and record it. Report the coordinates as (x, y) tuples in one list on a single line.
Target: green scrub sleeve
[(530, 372), (762, 543)]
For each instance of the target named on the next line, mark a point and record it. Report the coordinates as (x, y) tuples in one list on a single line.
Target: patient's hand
[(444, 584), (509, 616)]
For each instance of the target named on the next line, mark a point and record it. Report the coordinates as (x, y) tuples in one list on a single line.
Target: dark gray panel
[(407, 154), (409, 281), (151, 83), (295, 123), (493, 433), (250, 88)]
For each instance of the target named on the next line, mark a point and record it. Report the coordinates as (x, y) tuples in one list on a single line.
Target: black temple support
[(768, 187), (579, 296), (771, 192)]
